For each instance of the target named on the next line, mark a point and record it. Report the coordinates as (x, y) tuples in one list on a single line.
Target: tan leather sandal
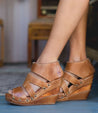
[(77, 81), (47, 92)]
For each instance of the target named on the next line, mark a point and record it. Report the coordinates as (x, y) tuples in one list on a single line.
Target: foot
[(45, 76), (77, 80), (34, 87)]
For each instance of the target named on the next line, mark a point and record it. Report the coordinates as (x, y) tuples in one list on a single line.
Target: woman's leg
[(78, 41), (68, 16), (78, 74)]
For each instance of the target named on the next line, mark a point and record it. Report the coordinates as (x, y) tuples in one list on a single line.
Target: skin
[(78, 40), (68, 16), (70, 21)]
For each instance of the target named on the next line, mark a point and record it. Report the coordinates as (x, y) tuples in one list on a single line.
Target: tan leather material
[(80, 94), (18, 92), (51, 92), (74, 87), (49, 71), (84, 83), (54, 84), (71, 78), (28, 102), (65, 88), (80, 77), (29, 89), (48, 77), (82, 69), (31, 79), (75, 84)]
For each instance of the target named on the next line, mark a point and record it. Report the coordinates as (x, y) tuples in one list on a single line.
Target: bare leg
[(67, 18), (78, 40)]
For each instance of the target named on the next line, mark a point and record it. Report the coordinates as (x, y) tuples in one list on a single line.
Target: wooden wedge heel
[(77, 81), (47, 92)]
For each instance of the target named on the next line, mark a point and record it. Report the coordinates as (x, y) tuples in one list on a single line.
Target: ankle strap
[(82, 69), (49, 71)]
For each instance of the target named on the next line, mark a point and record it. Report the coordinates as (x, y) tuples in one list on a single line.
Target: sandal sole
[(80, 94), (41, 101)]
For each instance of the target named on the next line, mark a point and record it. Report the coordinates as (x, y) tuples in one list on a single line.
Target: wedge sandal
[(77, 81), (48, 89)]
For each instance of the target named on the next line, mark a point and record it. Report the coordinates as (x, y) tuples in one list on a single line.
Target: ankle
[(50, 70), (77, 59), (46, 60)]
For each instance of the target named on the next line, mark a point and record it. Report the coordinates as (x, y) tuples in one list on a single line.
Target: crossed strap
[(73, 83), (49, 72), (46, 76), (30, 79), (44, 86)]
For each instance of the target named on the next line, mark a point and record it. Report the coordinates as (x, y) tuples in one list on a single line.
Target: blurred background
[(24, 29)]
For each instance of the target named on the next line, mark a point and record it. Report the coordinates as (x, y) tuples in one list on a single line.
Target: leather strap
[(65, 87), (31, 79), (29, 89), (49, 71), (18, 92), (78, 74), (71, 78), (47, 77), (81, 69), (52, 85)]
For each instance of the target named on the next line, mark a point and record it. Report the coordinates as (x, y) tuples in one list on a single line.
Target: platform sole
[(41, 101)]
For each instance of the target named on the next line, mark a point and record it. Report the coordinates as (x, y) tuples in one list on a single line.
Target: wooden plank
[(1, 63), (49, 7), (45, 21), (39, 6), (40, 37), (1, 22)]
